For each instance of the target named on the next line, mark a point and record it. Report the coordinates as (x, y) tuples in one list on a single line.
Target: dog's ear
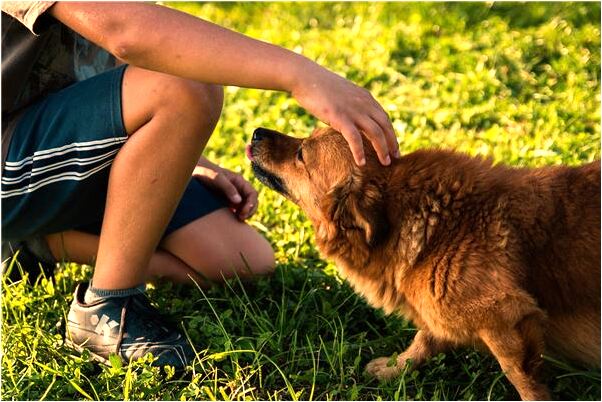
[(355, 206)]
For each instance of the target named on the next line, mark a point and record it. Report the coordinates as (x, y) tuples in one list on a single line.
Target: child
[(97, 159)]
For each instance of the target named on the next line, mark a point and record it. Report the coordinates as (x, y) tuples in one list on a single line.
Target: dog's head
[(319, 174)]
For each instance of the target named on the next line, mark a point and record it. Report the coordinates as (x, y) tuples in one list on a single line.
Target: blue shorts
[(57, 168)]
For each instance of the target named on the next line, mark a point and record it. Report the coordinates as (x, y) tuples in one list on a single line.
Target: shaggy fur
[(472, 253)]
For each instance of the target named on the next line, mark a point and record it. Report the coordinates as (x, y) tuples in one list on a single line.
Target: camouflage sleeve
[(27, 12)]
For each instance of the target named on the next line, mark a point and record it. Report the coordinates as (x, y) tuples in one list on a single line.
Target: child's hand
[(240, 193), (348, 109)]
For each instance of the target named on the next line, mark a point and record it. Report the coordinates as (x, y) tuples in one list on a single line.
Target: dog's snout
[(260, 134)]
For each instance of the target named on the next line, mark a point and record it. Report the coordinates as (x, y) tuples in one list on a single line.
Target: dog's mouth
[(263, 175), (269, 179), (249, 152)]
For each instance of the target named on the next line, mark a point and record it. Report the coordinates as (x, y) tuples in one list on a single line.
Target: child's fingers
[(228, 188), (377, 137), (354, 139), (249, 195), (249, 204), (382, 119)]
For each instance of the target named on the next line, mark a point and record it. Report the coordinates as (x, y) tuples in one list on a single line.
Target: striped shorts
[(56, 173)]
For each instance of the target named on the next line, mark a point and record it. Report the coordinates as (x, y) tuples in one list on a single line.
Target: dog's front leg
[(518, 350), (423, 347)]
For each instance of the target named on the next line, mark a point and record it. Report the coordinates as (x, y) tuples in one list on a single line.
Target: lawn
[(517, 82)]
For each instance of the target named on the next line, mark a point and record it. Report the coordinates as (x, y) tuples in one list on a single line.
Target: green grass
[(517, 82)]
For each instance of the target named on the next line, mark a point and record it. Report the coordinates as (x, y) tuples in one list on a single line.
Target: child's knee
[(194, 100), (146, 94), (203, 100), (266, 261), (257, 258)]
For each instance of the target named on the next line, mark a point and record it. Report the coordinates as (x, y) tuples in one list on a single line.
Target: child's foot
[(126, 326)]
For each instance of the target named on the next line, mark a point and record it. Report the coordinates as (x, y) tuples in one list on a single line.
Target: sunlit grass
[(517, 82)]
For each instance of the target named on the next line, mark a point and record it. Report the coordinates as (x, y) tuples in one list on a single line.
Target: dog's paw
[(383, 368)]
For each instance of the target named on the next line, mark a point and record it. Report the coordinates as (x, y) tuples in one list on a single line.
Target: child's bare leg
[(220, 246), (80, 247), (212, 244), (169, 121)]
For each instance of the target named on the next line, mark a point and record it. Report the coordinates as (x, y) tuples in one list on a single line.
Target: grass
[(517, 82)]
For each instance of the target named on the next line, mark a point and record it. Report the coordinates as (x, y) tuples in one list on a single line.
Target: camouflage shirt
[(39, 56)]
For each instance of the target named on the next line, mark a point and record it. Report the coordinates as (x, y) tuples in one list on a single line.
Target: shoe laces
[(153, 317)]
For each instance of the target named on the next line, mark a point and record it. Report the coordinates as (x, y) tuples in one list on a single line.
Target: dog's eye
[(300, 154)]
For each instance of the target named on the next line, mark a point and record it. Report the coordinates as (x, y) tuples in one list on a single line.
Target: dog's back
[(562, 249), (553, 214)]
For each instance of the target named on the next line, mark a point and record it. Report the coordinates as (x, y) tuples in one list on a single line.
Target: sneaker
[(126, 326)]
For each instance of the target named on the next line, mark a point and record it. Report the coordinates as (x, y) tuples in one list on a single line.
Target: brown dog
[(472, 253)]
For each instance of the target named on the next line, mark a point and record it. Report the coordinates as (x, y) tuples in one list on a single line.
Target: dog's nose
[(260, 134)]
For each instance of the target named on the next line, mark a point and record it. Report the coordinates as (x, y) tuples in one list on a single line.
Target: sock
[(93, 294)]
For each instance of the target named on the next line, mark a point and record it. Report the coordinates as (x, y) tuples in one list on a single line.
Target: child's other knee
[(264, 260), (249, 253)]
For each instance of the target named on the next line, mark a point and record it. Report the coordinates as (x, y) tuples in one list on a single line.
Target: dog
[(473, 253)]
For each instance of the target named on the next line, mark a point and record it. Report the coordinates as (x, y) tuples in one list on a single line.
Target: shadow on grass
[(299, 334)]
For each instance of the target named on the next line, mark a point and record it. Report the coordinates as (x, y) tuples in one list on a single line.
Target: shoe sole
[(79, 349), (180, 373)]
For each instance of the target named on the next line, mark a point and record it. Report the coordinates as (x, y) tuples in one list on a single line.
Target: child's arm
[(165, 40)]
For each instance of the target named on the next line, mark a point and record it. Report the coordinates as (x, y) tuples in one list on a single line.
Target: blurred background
[(517, 81)]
